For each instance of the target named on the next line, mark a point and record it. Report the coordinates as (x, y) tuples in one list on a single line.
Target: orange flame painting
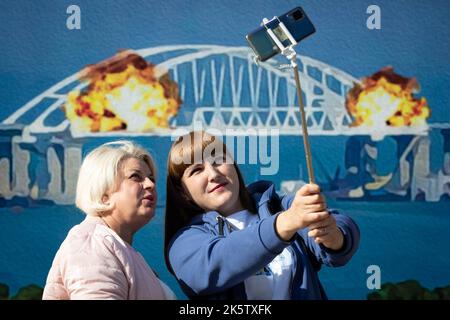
[(123, 93), (386, 99)]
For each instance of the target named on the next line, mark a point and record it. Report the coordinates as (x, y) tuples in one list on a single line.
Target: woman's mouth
[(218, 187), (150, 199)]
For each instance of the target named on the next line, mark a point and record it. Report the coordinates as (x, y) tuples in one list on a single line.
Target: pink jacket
[(93, 262)]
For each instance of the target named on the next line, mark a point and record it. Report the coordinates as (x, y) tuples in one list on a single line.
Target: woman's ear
[(105, 199)]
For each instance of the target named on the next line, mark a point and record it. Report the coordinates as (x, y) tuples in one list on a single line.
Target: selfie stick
[(290, 53)]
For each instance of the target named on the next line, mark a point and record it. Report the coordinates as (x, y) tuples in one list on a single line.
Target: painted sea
[(407, 240)]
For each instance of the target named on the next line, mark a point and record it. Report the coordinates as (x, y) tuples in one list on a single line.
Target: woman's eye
[(135, 176), (195, 171)]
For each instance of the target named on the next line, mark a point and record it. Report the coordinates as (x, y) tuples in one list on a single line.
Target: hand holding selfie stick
[(290, 53)]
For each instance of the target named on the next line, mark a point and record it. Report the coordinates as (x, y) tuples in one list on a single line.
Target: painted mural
[(375, 101)]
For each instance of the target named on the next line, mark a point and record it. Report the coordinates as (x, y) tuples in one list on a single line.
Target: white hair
[(99, 173)]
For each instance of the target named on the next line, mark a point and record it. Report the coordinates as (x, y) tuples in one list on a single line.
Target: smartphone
[(296, 21)]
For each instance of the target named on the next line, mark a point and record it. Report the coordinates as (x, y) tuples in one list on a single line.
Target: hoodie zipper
[(221, 224)]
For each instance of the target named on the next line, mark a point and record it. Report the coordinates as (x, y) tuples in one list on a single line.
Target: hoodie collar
[(262, 192)]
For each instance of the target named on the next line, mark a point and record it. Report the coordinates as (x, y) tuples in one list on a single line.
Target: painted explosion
[(386, 99), (124, 92)]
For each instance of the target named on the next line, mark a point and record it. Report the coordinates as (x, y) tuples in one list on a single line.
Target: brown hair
[(180, 209)]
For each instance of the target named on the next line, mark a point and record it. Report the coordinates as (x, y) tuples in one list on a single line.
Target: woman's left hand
[(327, 233)]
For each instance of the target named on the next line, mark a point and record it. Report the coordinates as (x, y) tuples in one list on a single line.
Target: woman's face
[(213, 186), (134, 202)]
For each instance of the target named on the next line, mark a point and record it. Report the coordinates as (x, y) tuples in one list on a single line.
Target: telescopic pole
[(308, 154), (290, 53)]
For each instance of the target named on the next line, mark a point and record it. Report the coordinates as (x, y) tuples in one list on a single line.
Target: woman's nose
[(212, 171), (148, 183)]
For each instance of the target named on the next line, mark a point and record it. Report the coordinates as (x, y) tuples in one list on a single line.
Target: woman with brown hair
[(224, 240)]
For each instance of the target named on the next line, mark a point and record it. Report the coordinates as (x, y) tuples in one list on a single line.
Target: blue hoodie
[(212, 262)]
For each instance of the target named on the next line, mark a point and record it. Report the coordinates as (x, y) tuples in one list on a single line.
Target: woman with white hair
[(116, 189)]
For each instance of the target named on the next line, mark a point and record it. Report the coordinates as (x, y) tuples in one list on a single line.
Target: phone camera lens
[(297, 14)]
